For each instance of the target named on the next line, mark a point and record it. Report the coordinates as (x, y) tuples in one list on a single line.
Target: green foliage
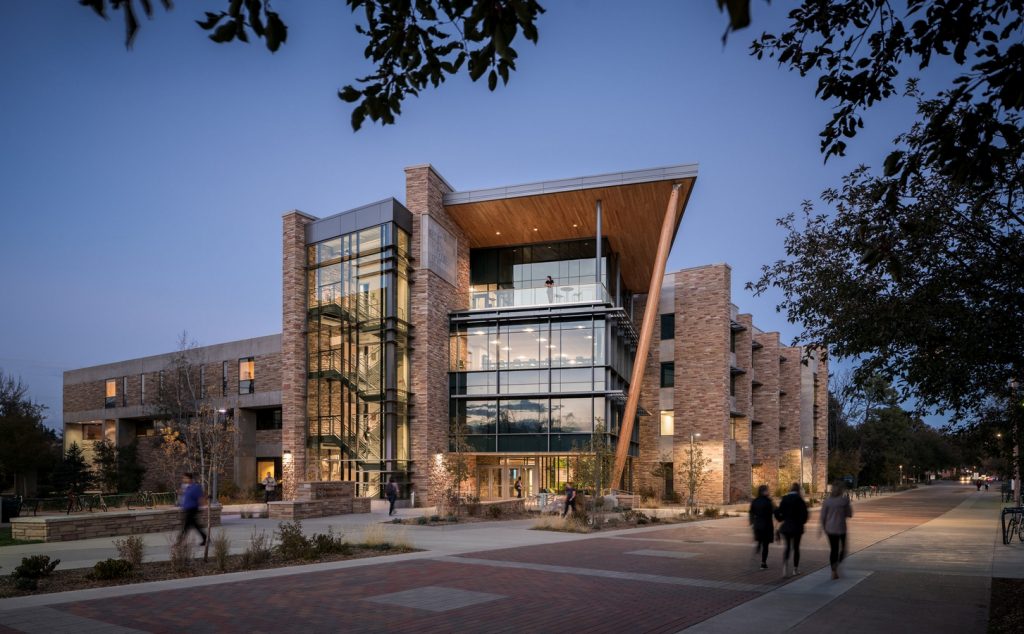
[(26, 444), (27, 575), (105, 461), (111, 569), (422, 520), (329, 543), (494, 511), (221, 549), (258, 551), (73, 472), (712, 512), (292, 542), (131, 549), (130, 472)]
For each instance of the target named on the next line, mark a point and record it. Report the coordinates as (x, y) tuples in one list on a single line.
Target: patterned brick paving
[(533, 600)]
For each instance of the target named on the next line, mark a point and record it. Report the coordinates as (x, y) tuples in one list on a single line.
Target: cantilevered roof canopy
[(633, 207)]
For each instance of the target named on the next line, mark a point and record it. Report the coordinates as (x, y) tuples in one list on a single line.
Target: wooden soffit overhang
[(633, 206)]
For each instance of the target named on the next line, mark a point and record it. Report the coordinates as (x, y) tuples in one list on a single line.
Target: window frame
[(249, 383), (668, 319), (671, 366)]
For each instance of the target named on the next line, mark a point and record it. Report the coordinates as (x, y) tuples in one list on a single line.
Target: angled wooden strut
[(668, 228)]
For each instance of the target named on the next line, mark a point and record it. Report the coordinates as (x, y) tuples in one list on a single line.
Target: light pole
[(803, 475), (901, 475)]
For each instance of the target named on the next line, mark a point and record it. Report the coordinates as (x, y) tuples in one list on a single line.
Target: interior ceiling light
[(497, 233), (529, 329), (574, 225), (535, 228)]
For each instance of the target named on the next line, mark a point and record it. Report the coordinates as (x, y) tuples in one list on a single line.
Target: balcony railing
[(543, 296)]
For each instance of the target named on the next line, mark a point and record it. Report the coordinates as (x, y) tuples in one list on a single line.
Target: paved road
[(922, 561)]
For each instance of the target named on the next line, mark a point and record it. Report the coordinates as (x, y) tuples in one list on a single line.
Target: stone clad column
[(293, 351)]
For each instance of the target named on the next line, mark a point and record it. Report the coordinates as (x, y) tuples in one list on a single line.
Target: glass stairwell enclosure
[(357, 344)]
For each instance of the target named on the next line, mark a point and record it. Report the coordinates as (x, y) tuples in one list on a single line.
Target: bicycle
[(1015, 524), (74, 503), (140, 499)]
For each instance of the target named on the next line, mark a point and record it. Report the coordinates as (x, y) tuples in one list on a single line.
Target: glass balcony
[(543, 296)]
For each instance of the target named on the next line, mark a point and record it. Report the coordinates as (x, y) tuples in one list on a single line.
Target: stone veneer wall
[(63, 528), (702, 372), (293, 351), (789, 414), (740, 473), (432, 300), (765, 430), (821, 425), (650, 426), (319, 499)]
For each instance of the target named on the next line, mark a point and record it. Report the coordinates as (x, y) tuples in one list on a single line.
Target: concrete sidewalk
[(935, 577)]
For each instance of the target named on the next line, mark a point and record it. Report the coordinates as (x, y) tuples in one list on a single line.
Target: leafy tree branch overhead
[(413, 44)]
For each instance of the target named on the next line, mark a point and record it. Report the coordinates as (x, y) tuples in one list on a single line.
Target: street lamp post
[(901, 475)]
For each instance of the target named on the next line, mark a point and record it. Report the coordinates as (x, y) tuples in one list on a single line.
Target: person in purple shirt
[(190, 499)]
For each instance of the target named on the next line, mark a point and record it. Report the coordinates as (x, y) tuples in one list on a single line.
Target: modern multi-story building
[(757, 409), (502, 323)]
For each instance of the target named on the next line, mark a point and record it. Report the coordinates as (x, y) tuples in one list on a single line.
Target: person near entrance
[(190, 500), (519, 487), (570, 499), (391, 493), (269, 484)]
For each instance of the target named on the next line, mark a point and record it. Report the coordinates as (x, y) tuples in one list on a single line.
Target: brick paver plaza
[(921, 561)]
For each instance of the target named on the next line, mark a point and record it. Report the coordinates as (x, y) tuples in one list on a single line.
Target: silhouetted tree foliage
[(73, 473), (26, 444)]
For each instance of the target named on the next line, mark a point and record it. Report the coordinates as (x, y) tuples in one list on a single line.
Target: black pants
[(391, 506), (836, 548), (568, 504), (267, 493), (762, 546), (792, 545), (191, 516)]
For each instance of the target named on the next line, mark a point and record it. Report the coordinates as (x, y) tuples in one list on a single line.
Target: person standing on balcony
[(550, 284)]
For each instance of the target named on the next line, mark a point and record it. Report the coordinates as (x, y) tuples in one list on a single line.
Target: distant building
[(504, 322)]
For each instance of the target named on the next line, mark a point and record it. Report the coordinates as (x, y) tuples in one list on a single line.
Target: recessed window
[(668, 326), (224, 379), (111, 393), (732, 385), (142, 389), (668, 374), (124, 391), (668, 424), (268, 419), (247, 375)]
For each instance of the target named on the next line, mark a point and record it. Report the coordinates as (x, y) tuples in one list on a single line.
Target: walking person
[(519, 487), (792, 512), (570, 499), (391, 493), (269, 484), (762, 513), (834, 511), (191, 497)]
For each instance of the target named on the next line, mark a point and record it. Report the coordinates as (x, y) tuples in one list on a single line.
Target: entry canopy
[(633, 208)]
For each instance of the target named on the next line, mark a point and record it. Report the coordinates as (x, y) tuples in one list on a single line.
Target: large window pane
[(576, 344), (480, 351), (571, 380), (569, 415), (477, 417), (523, 416), (480, 382), (524, 381), (523, 442)]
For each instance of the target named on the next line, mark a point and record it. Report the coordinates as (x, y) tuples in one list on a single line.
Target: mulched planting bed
[(1006, 611), (461, 519), (79, 578)]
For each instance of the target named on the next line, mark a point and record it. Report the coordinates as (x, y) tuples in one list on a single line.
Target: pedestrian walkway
[(921, 561)]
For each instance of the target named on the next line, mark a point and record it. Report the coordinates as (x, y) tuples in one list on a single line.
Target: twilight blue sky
[(141, 192)]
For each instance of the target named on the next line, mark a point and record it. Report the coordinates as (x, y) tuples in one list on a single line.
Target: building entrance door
[(490, 482), (496, 482), (528, 475)]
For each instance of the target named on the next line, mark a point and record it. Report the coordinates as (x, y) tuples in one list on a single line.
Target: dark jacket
[(792, 512), (761, 513)]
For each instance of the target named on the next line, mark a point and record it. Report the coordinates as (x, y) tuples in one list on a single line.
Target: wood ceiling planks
[(632, 216)]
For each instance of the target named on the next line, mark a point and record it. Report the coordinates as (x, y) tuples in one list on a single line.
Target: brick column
[(432, 299), (765, 441), (293, 351), (789, 417), (821, 425)]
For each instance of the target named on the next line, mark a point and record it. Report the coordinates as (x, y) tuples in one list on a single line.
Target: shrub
[(655, 519), (111, 569), (396, 521), (452, 518), (221, 550), (711, 511), (374, 536), (494, 511), (473, 505), (435, 518), (292, 543), (258, 551), (182, 556), (31, 570), (560, 524), (422, 520), (131, 549), (329, 543)]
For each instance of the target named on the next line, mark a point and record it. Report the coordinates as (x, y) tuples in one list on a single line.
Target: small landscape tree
[(73, 474), (696, 472)]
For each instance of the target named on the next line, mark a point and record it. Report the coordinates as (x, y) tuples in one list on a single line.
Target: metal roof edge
[(668, 172)]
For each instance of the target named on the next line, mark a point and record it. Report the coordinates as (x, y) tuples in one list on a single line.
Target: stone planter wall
[(62, 528), (319, 499)]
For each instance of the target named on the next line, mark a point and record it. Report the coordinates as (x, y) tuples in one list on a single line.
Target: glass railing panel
[(544, 296)]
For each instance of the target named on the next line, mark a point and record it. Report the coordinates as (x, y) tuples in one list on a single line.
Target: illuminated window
[(92, 431), (246, 375), (668, 424), (111, 393)]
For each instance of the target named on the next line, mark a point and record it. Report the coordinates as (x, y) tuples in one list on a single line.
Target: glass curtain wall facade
[(358, 357), (530, 383)]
